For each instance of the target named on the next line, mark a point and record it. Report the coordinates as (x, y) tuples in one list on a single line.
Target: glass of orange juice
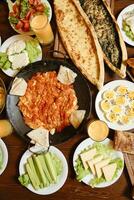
[(42, 28), (97, 130)]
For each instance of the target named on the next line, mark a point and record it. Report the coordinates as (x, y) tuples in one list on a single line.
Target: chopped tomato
[(26, 26), (40, 8), (16, 9), (28, 15), (36, 2), (31, 2), (19, 25)]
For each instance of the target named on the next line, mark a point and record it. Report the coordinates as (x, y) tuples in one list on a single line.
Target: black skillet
[(82, 92)]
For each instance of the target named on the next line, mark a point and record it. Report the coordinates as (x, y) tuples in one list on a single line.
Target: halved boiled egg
[(131, 104), (131, 95), (105, 105), (116, 109), (124, 119), (130, 112), (122, 90), (112, 117), (109, 94), (120, 100)]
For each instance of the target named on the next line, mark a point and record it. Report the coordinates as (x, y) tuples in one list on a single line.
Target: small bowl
[(2, 95), (4, 156), (96, 132)]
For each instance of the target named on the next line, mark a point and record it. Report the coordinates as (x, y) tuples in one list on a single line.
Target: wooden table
[(72, 190)]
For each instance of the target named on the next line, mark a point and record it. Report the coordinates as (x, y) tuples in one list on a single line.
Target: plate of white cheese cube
[(97, 164), (20, 50)]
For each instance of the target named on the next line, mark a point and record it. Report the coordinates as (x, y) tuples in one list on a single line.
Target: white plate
[(112, 85), (86, 143), (62, 178), (10, 72), (119, 21), (31, 32), (5, 156)]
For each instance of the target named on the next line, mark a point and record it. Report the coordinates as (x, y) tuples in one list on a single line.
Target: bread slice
[(39, 136), (108, 33), (80, 40), (19, 87), (124, 141)]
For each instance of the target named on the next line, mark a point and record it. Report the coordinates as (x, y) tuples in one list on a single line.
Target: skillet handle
[(65, 57), (43, 150)]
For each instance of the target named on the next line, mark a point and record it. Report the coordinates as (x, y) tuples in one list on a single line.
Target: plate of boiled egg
[(115, 105)]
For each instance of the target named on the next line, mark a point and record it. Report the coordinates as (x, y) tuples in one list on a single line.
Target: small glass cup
[(42, 28), (97, 130)]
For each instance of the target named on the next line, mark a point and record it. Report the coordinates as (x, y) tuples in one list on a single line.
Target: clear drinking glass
[(42, 28)]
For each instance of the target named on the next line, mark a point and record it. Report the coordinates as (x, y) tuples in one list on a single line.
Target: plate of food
[(20, 13), (43, 173), (115, 105), (17, 52), (97, 164), (2, 95), (3, 156), (125, 21), (56, 96)]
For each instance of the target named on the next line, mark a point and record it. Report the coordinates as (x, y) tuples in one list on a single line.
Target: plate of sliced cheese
[(97, 163)]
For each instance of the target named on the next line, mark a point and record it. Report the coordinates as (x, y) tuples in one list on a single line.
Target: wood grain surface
[(10, 189)]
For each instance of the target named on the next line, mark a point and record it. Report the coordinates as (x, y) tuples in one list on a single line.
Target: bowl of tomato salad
[(21, 11)]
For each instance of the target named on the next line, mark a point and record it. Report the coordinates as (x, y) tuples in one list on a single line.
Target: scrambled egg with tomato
[(48, 102)]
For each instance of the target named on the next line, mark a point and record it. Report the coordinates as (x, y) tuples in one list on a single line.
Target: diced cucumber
[(7, 65), (24, 180)]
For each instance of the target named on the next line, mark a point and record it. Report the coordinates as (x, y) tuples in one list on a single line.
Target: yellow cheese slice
[(92, 162), (87, 156), (109, 171), (99, 165)]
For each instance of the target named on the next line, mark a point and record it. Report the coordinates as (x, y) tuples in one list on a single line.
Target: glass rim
[(43, 25)]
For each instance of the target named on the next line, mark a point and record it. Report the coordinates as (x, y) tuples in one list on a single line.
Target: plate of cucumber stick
[(43, 172)]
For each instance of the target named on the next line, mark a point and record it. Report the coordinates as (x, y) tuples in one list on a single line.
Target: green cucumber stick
[(31, 164), (38, 174), (41, 172), (31, 176), (50, 166), (44, 166)]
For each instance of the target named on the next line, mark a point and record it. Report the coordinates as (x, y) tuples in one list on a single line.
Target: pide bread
[(108, 34), (80, 40)]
